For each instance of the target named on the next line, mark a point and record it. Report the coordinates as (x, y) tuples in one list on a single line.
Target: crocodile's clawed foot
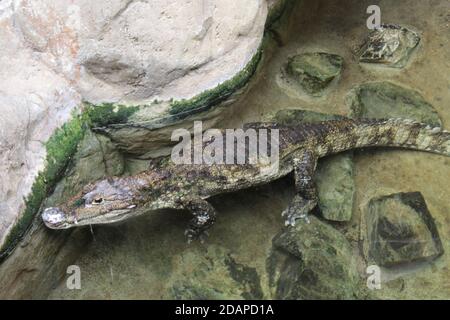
[(204, 217), (292, 219), (298, 209)]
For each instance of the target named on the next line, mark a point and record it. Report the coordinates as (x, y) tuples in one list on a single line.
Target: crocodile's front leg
[(204, 217), (305, 198)]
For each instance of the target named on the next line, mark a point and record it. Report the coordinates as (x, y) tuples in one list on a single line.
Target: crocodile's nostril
[(53, 217)]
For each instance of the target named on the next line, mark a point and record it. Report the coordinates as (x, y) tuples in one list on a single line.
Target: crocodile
[(182, 186)]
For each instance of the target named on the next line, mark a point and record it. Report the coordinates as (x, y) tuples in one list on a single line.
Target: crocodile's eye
[(97, 200)]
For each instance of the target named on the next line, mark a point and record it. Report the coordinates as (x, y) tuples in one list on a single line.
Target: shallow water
[(147, 257)]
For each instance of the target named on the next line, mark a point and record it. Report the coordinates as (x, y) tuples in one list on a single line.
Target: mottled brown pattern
[(167, 185)]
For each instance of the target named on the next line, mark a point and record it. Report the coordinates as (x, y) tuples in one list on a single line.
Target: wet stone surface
[(312, 261), (314, 71), (215, 274), (388, 100), (400, 229), (390, 45)]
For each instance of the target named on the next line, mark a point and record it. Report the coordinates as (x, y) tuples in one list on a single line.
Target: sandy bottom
[(144, 257)]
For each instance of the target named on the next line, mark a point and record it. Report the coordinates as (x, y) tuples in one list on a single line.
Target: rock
[(390, 45), (334, 175), (34, 101), (40, 263), (388, 100), (312, 261), (400, 229), (293, 117), (133, 51), (314, 71), (215, 275), (151, 138), (336, 186)]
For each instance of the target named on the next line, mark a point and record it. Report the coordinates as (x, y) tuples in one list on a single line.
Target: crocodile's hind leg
[(305, 198), (204, 217)]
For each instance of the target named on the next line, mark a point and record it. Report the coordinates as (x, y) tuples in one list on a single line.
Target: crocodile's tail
[(400, 133)]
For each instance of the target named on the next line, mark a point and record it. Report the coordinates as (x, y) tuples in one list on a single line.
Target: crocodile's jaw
[(110, 217), (55, 218)]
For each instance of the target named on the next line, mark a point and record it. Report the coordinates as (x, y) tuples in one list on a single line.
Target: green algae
[(212, 97), (108, 113), (61, 147)]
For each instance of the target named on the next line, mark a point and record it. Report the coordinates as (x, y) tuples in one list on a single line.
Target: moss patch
[(218, 94), (108, 113), (60, 148)]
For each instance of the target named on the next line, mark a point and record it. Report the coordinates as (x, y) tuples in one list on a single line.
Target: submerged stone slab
[(336, 187), (400, 229), (390, 45), (312, 261), (334, 175), (214, 274), (388, 100), (314, 71)]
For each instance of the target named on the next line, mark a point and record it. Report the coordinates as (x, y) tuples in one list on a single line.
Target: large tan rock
[(34, 101), (137, 51)]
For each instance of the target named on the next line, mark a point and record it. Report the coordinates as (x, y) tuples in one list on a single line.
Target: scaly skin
[(167, 185)]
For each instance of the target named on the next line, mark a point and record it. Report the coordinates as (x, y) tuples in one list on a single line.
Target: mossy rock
[(60, 148), (400, 229), (312, 261), (314, 71), (382, 100), (214, 96), (334, 175)]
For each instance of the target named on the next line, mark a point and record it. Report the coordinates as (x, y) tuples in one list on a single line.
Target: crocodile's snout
[(55, 218)]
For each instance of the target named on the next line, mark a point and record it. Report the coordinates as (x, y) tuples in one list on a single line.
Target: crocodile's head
[(105, 201)]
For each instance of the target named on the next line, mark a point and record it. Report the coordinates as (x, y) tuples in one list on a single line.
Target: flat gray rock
[(314, 71), (383, 100), (400, 230)]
